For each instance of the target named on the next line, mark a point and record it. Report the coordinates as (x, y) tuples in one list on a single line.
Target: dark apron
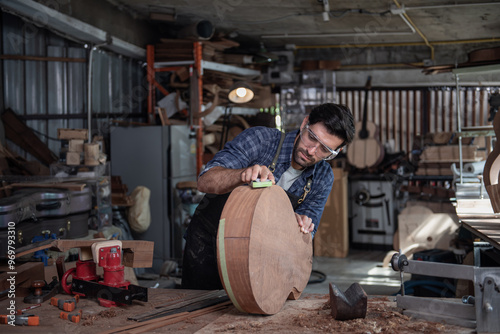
[(199, 267)]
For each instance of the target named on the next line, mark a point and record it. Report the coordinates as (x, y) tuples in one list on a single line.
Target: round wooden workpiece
[(262, 256)]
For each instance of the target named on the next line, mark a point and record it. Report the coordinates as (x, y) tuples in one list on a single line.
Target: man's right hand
[(220, 180), (257, 171)]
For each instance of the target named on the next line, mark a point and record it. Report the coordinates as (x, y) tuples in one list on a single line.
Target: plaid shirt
[(257, 146)]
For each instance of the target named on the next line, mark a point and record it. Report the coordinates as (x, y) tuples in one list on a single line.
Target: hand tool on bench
[(73, 317), (42, 291), (20, 320), (67, 305), (349, 305), (112, 289), (19, 312)]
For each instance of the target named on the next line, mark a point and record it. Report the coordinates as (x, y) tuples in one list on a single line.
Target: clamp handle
[(64, 280)]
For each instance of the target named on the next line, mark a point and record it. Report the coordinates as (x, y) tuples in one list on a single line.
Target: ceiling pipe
[(342, 34), (399, 12), (381, 45), (415, 27), (453, 5)]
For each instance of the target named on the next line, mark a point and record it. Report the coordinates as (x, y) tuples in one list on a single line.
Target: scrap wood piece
[(23, 136), (206, 300)]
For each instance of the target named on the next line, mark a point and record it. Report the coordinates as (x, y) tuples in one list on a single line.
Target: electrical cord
[(321, 279)]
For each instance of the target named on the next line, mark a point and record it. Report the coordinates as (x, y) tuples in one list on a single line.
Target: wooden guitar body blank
[(262, 257), (492, 169)]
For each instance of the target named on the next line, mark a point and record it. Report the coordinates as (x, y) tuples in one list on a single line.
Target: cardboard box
[(332, 237)]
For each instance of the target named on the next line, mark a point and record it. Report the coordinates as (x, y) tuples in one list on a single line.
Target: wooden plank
[(493, 240), (72, 134), (189, 306), (19, 133), (136, 253), (332, 237)]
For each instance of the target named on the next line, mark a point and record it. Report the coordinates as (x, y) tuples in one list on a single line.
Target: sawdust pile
[(88, 319), (381, 317)]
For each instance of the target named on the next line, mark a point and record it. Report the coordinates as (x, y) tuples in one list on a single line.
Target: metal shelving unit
[(196, 68)]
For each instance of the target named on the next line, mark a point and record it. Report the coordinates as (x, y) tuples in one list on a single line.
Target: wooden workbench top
[(310, 313)]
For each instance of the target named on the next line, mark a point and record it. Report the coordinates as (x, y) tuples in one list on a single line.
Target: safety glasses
[(310, 140)]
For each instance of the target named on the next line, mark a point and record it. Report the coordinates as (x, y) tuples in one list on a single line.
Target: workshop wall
[(405, 113), (52, 93)]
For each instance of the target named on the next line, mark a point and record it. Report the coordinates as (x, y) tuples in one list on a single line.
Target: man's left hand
[(305, 223)]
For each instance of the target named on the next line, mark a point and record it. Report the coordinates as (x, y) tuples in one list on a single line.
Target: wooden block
[(442, 137), (309, 65), (332, 237), (75, 145), (72, 134), (431, 153), (447, 152), (329, 64), (73, 158), (182, 74), (91, 151)]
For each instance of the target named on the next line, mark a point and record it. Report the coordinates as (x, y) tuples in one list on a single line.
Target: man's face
[(309, 147)]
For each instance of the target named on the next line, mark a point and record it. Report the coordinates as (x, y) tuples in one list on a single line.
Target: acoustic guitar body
[(491, 170), (367, 152), (262, 257)]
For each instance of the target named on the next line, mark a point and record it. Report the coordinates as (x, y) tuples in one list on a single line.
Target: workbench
[(311, 313)]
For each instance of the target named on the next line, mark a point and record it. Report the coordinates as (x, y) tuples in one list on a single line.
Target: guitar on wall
[(365, 151)]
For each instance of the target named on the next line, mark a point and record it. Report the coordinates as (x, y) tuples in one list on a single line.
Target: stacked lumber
[(182, 49), (20, 134), (442, 150), (119, 192), (174, 50)]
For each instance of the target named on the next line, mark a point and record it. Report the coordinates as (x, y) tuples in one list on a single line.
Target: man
[(294, 161)]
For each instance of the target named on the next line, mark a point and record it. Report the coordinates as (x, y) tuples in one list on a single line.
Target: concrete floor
[(360, 266)]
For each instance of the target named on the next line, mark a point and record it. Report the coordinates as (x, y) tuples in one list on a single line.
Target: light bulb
[(241, 92)]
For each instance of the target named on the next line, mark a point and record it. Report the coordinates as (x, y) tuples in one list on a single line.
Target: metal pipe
[(459, 126), (453, 5), (377, 45), (89, 88), (418, 31), (342, 34)]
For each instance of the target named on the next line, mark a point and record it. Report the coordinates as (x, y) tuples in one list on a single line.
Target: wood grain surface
[(262, 257), (492, 170)]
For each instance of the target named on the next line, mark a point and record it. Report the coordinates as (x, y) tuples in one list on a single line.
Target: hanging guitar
[(365, 151)]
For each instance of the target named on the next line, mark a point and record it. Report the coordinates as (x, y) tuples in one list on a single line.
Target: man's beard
[(298, 160)]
